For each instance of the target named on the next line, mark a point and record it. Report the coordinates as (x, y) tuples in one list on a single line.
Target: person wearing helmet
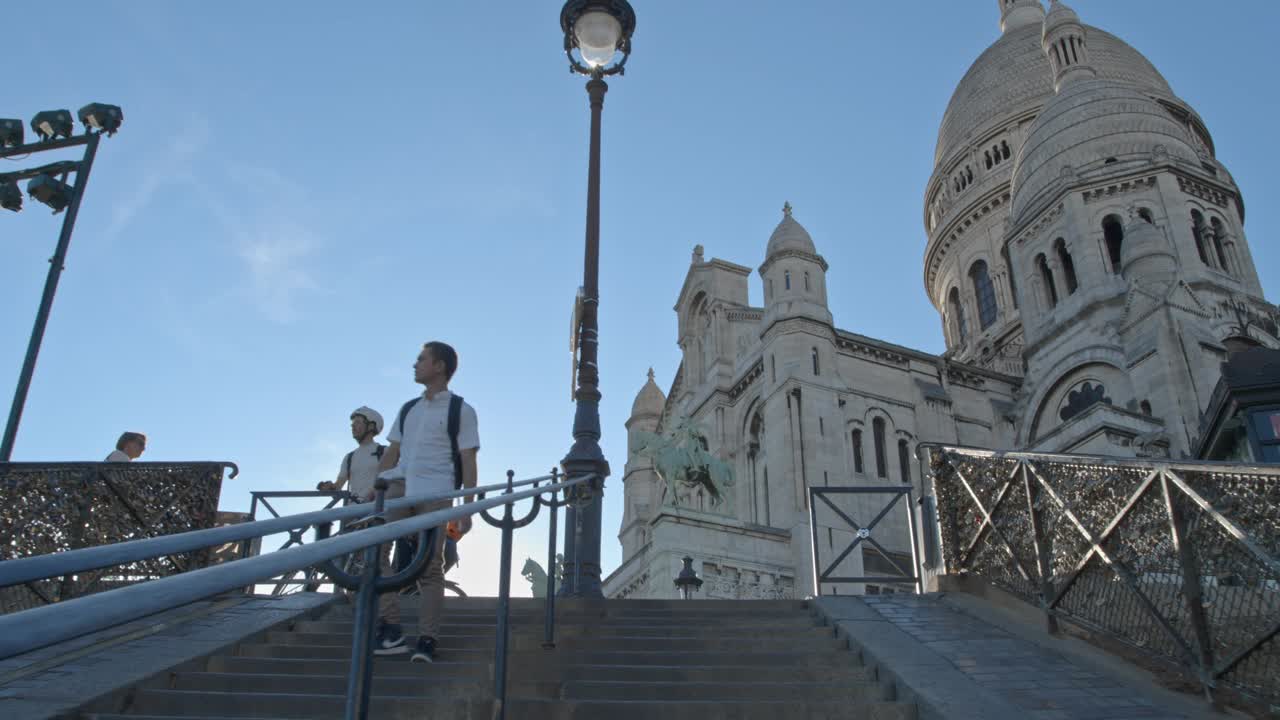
[(359, 467)]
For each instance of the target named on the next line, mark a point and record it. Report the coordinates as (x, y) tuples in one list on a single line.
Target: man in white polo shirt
[(422, 459)]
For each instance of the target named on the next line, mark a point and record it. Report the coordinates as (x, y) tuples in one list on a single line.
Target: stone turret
[(1015, 14), (794, 274), (1063, 40)]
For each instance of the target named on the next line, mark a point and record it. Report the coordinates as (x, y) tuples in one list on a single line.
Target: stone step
[(398, 666), (808, 639), (276, 706), (535, 623), (790, 656), (425, 683), (539, 669), (722, 691)]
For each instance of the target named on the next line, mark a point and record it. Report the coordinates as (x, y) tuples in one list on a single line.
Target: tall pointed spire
[(1063, 40), (1020, 13)]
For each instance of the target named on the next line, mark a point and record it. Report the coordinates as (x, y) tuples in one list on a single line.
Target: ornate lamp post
[(597, 41), (688, 582)]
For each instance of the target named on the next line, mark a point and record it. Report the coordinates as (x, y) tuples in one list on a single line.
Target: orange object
[(453, 530)]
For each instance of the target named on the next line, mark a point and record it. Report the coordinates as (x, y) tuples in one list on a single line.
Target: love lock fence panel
[(1180, 561), (55, 507), (864, 540)]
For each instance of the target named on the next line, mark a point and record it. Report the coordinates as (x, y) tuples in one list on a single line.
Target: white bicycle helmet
[(371, 416)]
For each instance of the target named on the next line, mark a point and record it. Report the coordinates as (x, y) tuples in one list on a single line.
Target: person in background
[(359, 467), (129, 447)]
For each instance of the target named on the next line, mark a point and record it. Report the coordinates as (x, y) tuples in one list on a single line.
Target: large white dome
[(1013, 76)]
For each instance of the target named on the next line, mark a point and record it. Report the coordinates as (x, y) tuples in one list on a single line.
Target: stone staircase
[(615, 660)]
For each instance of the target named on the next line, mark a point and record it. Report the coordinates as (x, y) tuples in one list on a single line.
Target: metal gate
[(895, 568)]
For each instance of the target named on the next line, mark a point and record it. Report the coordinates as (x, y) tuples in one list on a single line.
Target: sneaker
[(425, 650), (389, 640)]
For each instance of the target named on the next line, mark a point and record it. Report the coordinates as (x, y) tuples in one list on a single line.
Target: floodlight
[(11, 133), (50, 191), (102, 117), (51, 124), (10, 196)]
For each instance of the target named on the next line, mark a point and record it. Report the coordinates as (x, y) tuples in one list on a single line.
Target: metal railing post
[(507, 525), (549, 625), (360, 674)]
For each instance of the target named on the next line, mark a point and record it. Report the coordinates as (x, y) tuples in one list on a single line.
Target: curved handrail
[(20, 570), (39, 627)]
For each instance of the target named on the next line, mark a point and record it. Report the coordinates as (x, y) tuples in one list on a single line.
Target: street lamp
[(597, 41), (49, 185), (688, 581)]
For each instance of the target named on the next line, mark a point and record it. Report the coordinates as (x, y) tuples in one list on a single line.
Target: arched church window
[(816, 371), (1008, 271), (770, 289), (986, 155), (1004, 149), (1219, 234), (1068, 266), (957, 315), (786, 280), (877, 431), (1199, 230), (1083, 398), (857, 451), (1145, 407), (773, 368), (984, 293), (806, 282), (1113, 236), (1146, 215), (904, 461), (1046, 278)]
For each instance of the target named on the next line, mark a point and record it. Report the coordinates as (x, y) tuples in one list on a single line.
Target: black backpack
[(453, 425), (346, 461)]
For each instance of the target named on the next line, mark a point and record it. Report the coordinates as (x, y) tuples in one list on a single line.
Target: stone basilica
[(1087, 256)]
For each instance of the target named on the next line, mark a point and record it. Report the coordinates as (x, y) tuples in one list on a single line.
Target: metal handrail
[(20, 570), (40, 627)]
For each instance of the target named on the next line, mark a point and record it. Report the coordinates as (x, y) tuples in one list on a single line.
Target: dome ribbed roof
[(1013, 76), (790, 235), (1086, 123), (650, 400)]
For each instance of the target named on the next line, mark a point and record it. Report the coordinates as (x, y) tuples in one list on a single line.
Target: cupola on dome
[(790, 235), (650, 400)]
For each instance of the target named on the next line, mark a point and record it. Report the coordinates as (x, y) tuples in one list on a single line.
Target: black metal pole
[(46, 300), (585, 457), (549, 626), (504, 610), (360, 674)]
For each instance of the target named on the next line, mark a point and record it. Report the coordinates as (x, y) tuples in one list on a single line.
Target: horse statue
[(681, 459), (537, 577)]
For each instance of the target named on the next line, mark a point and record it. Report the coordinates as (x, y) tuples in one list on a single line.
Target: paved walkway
[(959, 666)]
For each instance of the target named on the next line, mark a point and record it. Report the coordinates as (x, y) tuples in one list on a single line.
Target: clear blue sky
[(304, 193)]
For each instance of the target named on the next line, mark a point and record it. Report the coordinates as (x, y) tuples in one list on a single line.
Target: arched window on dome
[(1004, 149), (786, 280), (877, 431), (1046, 279), (770, 293), (1200, 231), (986, 155), (1068, 265), (1113, 236), (806, 282), (984, 293), (1008, 270), (956, 310), (816, 369), (1219, 235)]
